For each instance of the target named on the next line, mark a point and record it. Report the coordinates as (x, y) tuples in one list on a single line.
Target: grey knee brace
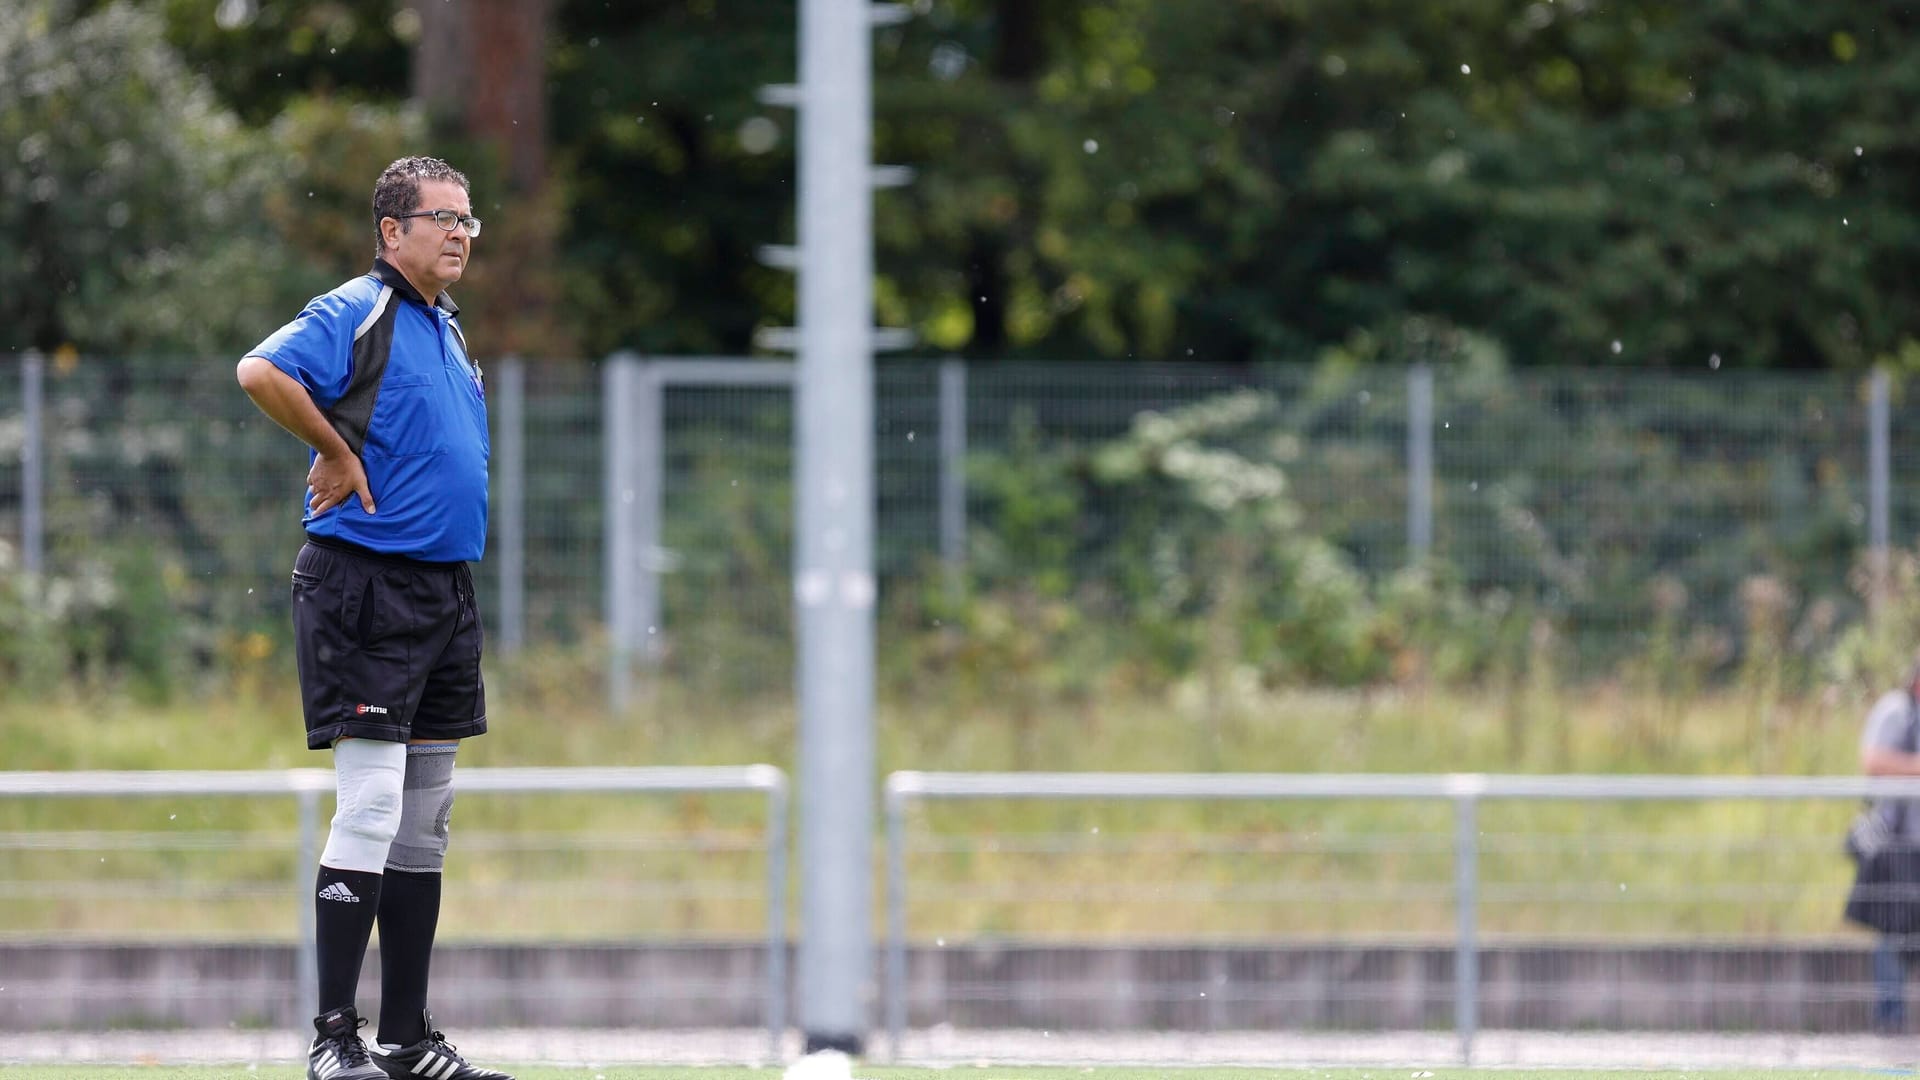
[(426, 808), (368, 774)]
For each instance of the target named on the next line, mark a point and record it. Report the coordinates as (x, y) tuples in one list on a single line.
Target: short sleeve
[(1886, 727), (316, 348)]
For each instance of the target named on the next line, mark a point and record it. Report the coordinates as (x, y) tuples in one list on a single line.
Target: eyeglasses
[(447, 219)]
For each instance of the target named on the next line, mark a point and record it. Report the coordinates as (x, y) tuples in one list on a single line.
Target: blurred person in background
[(375, 378), (1885, 841)]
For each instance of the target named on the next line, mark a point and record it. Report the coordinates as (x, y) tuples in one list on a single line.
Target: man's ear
[(389, 234)]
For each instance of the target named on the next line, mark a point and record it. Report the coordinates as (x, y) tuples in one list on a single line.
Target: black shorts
[(388, 648)]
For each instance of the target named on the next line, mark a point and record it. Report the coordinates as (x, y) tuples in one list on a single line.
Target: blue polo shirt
[(390, 371)]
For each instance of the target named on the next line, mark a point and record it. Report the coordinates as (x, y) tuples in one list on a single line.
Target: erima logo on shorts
[(365, 709)]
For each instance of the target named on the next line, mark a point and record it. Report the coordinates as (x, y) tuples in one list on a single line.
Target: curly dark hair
[(399, 188)]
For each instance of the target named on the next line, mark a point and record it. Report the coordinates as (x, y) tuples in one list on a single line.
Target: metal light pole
[(834, 586), (833, 578)]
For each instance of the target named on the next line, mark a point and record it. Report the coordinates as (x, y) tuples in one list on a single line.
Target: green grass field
[(972, 1073)]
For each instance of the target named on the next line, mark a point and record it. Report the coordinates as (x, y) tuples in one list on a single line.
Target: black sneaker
[(433, 1058), (337, 1052)]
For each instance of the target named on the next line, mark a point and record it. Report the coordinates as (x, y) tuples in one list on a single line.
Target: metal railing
[(1465, 791), (308, 785)]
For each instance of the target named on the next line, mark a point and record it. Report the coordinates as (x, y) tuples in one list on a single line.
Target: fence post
[(1879, 483), (1466, 898), (619, 386), (1419, 463), (953, 466), (634, 466), (776, 989), (650, 475), (512, 513), (33, 521), (896, 985), (307, 962)]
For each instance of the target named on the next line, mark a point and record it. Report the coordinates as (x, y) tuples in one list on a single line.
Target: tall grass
[(582, 867)]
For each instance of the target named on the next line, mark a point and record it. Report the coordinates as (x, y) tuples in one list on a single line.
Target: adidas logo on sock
[(339, 891)]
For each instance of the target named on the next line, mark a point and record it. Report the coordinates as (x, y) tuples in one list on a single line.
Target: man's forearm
[(1882, 762), (288, 404)]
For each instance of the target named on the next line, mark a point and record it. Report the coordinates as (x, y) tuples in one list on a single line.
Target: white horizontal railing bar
[(1091, 785), (625, 778), (479, 778), (143, 782), (714, 370)]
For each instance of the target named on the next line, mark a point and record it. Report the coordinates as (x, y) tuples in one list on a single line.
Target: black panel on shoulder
[(351, 415)]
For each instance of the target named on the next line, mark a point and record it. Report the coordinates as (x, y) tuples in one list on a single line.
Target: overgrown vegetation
[(691, 865), (1243, 540)]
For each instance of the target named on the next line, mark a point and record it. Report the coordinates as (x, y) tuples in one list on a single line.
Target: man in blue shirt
[(375, 378)]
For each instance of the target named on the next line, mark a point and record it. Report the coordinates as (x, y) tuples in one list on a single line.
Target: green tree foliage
[(1253, 179), (141, 216), (1689, 180), (262, 56), (1235, 180), (330, 150), (125, 185), (677, 173)]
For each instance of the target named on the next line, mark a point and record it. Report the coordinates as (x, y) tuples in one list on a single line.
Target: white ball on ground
[(821, 1065)]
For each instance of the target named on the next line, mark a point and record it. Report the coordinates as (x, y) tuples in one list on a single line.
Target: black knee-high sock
[(409, 914), (344, 905)]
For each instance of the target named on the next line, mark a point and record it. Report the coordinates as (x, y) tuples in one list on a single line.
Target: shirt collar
[(385, 273)]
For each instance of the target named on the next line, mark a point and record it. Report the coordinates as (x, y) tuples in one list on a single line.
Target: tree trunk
[(479, 69), (1019, 53), (987, 295), (507, 105), (1018, 49), (443, 63)]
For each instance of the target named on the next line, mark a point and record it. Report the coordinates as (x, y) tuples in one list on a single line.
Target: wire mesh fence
[(1610, 507)]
